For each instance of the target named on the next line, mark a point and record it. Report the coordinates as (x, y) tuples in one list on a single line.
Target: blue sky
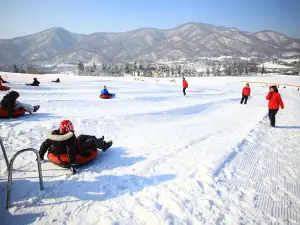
[(21, 17)]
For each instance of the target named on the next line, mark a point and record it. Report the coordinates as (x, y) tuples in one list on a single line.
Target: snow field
[(201, 159)]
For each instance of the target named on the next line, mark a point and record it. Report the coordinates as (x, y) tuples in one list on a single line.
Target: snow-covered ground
[(201, 159)]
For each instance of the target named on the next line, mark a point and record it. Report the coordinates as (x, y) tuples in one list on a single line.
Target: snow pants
[(87, 142), (27, 107), (272, 114), (244, 97), (184, 91)]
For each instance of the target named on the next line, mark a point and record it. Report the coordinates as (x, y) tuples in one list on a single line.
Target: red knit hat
[(66, 126)]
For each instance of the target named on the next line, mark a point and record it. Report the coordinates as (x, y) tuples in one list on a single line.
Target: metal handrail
[(11, 169), (10, 166), (4, 153)]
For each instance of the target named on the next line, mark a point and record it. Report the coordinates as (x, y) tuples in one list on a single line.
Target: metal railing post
[(10, 170), (4, 153)]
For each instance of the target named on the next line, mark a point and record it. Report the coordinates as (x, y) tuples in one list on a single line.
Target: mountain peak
[(189, 40)]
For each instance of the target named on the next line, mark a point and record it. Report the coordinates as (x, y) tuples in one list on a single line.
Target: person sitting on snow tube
[(56, 81), (64, 140), (10, 103), (3, 81), (3, 88), (34, 83), (105, 92)]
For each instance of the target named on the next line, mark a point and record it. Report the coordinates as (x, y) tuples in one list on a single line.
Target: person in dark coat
[(10, 103), (246, 94), (64, 140), (34, 83), (3, 81), (275, 102), (56, 81)]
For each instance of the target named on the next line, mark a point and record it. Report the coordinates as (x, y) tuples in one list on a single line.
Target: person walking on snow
[(185, 85), (64, 140), (245, 94), (10, 103), (275, 102)]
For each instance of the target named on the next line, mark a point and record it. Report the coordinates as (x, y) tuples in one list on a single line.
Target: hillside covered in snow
[(190, 40)]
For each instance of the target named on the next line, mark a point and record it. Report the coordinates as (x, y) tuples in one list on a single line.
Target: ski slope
[(201, 159)]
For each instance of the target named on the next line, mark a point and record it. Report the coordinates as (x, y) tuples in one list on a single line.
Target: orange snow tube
[(16, 113), (4, 88), (106, 96), (63, 158)]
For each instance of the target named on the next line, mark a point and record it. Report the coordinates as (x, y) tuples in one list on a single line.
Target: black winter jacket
[(3, 81), (60, 143), (35, 83), (8, 102)]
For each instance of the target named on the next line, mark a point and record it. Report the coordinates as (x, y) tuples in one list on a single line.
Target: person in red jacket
[(185, 85), (246, 94), (275, 102)]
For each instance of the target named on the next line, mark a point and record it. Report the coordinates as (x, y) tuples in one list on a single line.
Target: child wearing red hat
[(64, 140)]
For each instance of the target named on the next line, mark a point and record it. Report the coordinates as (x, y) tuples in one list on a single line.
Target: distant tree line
[(226, 67), (32, 69)]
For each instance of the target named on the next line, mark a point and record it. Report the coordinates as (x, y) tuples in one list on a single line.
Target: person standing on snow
[(275, 102), (10, 103), (185, 85), (64, 140), (245, 94)]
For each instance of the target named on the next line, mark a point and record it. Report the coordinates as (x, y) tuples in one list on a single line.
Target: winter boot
[(99, 143), (107, 145), (36, 108), (73, 169)]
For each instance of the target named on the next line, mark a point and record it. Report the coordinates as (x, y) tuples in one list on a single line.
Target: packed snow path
[(201, 159)]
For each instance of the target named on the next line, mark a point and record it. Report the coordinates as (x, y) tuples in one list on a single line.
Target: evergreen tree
[(15, 69), (127, 69), (179, 70), (134, 67), (263, 70), (140, 70), (93, 68), (207, 72), (80, 67), (103, 69)]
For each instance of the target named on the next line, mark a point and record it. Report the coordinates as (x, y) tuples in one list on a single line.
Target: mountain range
[(190, 40)]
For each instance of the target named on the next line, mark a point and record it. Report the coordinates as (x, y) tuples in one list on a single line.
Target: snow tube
[(62, 159), (4, 88), (107, 96), (16, 113)]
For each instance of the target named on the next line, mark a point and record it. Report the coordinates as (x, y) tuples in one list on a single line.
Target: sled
[(4, 88), (32, 85), (62, 159), (107, 96), (16, 113)]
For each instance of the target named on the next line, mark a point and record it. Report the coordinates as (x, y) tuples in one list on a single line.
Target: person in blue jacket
[(105, 92)]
